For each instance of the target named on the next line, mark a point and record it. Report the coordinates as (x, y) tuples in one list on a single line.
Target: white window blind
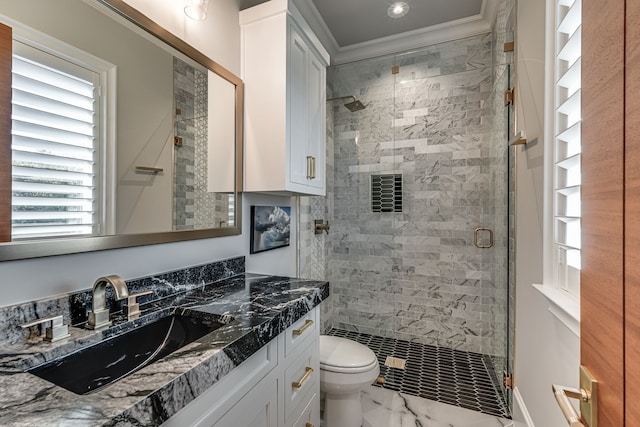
[(54, 137), (567, 145)]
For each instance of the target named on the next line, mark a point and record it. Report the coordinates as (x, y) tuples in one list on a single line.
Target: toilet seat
[(345, 356)]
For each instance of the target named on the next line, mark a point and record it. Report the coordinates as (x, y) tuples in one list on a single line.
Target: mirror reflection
[(113, 131)]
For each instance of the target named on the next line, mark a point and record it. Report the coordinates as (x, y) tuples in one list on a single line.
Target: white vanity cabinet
[(277, 386), (284, 73)]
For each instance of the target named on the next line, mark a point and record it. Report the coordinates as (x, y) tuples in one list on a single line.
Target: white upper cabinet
[(284, 72)]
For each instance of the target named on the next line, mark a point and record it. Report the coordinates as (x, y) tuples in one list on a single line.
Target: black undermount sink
[(91, 368)]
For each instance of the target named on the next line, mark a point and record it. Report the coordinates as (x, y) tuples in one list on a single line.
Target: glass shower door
[(499, 203)]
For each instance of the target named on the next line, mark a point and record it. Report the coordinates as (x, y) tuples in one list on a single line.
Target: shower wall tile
[(194, 206), (416, 275), (315, 249)]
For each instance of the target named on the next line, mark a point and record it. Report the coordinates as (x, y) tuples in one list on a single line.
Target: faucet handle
[(56, 332), (132, 307)]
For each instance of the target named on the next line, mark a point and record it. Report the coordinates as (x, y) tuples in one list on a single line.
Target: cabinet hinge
[(395, 69), (509, 96), (507, 380)]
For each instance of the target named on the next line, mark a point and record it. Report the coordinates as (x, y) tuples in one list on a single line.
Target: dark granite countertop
[(256, 307)]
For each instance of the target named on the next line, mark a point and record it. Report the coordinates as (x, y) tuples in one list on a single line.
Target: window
[(56, 160), (567, 145)]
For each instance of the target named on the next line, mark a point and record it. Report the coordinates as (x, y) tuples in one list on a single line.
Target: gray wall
[(416, 275)]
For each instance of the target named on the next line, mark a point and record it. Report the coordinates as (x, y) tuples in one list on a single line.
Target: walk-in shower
[(422, 280)]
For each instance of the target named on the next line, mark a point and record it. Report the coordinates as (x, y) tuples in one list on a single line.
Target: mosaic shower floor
[(441, 374)]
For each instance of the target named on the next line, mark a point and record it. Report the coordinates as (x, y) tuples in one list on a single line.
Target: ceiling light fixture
[(398, 9), (196, 9)]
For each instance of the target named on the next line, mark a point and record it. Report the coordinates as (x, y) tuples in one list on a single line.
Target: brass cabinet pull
[(307, 325), (309, 159), (305, 377), (476, 239), (311, 167), (309, 425)]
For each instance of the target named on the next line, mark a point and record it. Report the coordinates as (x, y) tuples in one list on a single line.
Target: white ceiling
[(358, 29)]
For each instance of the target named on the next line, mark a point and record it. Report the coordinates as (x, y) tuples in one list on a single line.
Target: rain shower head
[(353, 106)]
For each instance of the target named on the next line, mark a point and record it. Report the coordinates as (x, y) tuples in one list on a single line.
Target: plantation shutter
[(567, 144), (54, 137)]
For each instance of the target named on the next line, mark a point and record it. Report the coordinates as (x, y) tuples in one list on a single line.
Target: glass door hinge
[(507, 380), (509, 96)]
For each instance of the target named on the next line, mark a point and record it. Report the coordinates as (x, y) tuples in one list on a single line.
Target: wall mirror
[(120, 134)]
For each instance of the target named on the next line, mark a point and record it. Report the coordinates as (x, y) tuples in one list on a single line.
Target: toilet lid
[(341, 355)]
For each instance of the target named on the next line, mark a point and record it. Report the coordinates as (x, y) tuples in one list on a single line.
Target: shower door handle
[(476, 238)]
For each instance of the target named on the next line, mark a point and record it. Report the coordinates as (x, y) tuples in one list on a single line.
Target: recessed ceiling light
[(398, 9)]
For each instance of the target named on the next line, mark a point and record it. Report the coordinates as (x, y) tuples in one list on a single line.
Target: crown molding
[(454, 30), (315, 20)]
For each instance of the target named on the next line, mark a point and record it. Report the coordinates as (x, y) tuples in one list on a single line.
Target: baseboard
[(521, 417)]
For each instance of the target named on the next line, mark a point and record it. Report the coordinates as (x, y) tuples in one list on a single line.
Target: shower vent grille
[(386, 193)]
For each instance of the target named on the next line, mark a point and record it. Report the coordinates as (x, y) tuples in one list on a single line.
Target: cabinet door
[(220, 398), (301, 377), (258, 408), (297, 106), (316, 120), (310, 417)]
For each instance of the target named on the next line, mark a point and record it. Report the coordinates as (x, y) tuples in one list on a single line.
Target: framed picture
[(270, 227)]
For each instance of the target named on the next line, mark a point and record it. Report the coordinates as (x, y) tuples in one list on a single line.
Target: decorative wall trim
[(520, 411)]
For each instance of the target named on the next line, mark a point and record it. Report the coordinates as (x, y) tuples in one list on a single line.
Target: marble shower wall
[(315, 249), (194, 206), (416, 275)]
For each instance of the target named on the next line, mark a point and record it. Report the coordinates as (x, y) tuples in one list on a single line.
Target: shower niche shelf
[(284, 71)]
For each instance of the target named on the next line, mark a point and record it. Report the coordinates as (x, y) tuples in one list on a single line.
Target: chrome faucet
[(99, 315)]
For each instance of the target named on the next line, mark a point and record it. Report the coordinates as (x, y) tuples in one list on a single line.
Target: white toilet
[(346, 368)]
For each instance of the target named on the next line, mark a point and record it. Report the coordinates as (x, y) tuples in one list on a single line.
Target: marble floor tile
[(387, 408)]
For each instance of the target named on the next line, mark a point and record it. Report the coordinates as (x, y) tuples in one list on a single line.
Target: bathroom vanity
[(258, 367), (277, 386)]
